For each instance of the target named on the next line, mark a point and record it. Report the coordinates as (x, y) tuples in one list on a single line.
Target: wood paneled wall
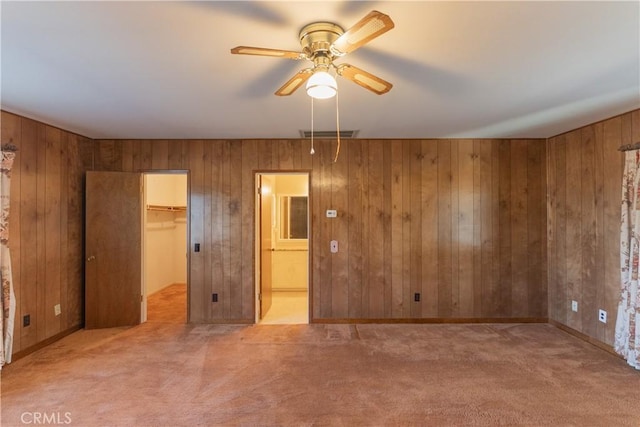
[(584, 187), (462, 222), (46, 227)]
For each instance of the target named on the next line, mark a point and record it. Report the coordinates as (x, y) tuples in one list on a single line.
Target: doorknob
[(91, 258)]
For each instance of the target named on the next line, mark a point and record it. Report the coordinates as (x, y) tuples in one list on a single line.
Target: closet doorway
[(165, 237), (282, 248), (130, 257)]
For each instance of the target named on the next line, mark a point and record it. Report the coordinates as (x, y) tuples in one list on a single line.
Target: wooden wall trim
[(435, 320), (27, 351), (585, 337), (224, 322)]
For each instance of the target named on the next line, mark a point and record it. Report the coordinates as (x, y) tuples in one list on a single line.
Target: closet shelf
[(166, 208)]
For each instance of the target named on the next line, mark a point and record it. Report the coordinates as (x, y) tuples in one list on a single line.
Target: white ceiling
[(460, 69)]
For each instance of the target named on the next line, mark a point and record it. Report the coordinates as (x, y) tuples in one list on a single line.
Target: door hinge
[(141, 298), (260, 191), (259, 297)]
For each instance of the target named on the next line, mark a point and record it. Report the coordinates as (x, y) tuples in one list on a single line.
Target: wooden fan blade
[(262, 51), (295, 82), (366, 80), (368, 28)]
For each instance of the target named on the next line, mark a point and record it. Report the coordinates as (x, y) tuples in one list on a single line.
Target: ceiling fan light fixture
[(322, 85)]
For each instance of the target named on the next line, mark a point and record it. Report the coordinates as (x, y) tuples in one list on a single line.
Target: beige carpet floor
[(168, 304), (167, 374)]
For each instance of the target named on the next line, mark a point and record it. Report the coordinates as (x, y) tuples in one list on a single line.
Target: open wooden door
[(266, 245), (113, 249)]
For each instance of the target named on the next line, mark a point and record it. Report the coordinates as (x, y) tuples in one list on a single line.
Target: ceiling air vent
[(329, 134)]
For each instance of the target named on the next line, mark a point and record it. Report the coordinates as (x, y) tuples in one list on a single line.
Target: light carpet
[(163, 374)]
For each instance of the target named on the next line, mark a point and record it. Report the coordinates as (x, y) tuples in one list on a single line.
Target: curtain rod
[(630, 147), (9, 147)]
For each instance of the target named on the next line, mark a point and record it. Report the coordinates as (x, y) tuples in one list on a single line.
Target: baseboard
[(436, 320), (27, 351), (584, 337), (222, 322)]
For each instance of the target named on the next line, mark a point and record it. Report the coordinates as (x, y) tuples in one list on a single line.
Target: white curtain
[(8, 298), (627, 340)]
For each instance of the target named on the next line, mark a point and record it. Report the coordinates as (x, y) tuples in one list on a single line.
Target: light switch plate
[(334, 246), (332, 213), (574, 306), (56, 309)]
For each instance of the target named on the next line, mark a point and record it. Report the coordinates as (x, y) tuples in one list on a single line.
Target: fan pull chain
[(335, 159), (312, 152)]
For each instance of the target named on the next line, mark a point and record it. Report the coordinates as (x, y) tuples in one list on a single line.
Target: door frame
[(257, 237), (186, 172)]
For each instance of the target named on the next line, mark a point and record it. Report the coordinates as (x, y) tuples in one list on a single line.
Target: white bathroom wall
[(165, 232), (290, 270)]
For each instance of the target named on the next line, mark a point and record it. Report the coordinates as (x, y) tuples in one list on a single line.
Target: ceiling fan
[(322, 42)]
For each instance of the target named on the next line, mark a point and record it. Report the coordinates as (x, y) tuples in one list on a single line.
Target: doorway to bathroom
[(282, 248)]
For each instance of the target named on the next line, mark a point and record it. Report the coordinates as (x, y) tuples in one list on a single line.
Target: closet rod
[(166, 208)]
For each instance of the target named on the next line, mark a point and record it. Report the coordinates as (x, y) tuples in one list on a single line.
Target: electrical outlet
[(574, 306), (214, 297), (26, 320), (56, 309), (416, 297), (602, 316)]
